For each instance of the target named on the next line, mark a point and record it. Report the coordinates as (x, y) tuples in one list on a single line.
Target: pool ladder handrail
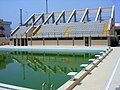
[(52, 87), (44, 88)]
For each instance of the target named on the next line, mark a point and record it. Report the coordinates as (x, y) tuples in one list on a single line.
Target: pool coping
[(12, 87), (54, 47)]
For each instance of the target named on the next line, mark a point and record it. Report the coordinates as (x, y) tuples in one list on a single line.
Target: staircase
[(105, 32), (67, 31)]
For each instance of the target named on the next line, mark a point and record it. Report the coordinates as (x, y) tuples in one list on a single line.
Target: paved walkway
[(115, 83), (103, 77)]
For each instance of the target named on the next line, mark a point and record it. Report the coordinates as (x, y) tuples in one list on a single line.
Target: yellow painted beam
[(105, 32), (38, 32), (67, 31)]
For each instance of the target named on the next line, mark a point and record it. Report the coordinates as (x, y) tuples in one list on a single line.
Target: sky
[(10, 9)]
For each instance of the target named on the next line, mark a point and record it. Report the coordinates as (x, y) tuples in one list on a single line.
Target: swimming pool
[(33, 68)]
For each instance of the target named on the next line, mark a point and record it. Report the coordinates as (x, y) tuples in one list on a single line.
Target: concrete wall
[(11, 42), (79, 42), (50, 42), (4, 41), (99, 42), (66, 42), (29, 42), (37, 42)]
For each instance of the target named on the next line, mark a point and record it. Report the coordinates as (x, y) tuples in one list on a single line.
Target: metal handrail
[(72, 34), (51, 87), (43, 86)]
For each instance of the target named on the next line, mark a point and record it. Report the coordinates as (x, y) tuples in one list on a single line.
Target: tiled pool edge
[(69, 85), (12, 87), (37, 49)]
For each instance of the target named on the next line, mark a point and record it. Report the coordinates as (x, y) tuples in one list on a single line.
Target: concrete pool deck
[(104, 77)]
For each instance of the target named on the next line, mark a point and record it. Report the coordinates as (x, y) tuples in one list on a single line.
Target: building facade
[(5, 28), (4, 32)]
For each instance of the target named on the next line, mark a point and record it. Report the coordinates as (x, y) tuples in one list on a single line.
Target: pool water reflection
[(32, 69)]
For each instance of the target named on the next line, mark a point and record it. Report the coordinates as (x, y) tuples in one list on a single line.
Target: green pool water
[(32, 69)]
